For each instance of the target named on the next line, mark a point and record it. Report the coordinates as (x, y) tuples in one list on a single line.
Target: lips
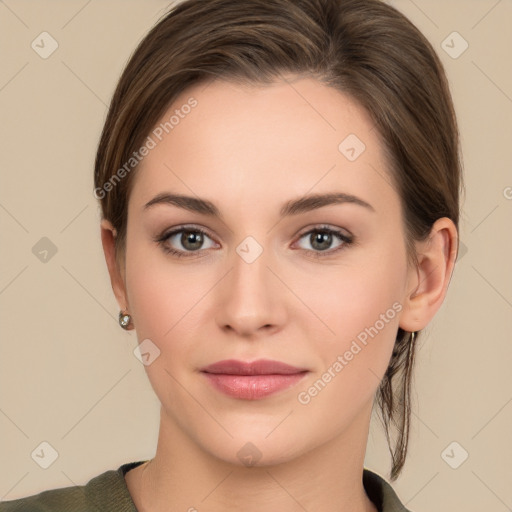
[(254, 380)]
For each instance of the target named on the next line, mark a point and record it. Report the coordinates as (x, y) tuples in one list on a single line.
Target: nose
[(251, 298)]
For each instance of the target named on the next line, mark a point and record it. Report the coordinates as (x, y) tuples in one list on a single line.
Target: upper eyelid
[(172, 231), (325, 227), (314, 227)]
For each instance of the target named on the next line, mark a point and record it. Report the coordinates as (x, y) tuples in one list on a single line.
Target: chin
[(256, 450)]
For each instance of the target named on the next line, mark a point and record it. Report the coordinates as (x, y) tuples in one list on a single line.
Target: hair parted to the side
[(363, 48)]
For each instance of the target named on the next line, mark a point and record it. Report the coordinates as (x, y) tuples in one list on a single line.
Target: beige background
[(68, 375)]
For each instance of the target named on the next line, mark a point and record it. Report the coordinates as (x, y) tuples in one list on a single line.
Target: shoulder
[(54, 500), (381, 493), (106, 491)]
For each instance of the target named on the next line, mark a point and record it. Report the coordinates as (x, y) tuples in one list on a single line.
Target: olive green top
[(108, 492)]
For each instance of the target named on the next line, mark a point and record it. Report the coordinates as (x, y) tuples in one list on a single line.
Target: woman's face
[(260, 283)]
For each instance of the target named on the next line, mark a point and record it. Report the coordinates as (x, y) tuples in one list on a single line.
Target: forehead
[(254, 142)]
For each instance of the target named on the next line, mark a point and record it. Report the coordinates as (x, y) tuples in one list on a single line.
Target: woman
[(279, 186)]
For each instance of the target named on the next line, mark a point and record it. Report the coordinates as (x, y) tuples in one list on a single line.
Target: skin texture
[(249, 150)]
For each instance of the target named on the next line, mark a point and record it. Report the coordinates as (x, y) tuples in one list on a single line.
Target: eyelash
[(347, 241)]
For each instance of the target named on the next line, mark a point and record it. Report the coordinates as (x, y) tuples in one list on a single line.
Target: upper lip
[(259, 367)]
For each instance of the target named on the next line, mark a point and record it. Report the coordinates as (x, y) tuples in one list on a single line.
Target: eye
[(191, 240), (321, 239)]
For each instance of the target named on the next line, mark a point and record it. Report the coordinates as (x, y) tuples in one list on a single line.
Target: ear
[(427, 284), (108, 235)]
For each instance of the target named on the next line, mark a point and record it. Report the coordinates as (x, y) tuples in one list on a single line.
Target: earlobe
[(428, 283), (108, 235)]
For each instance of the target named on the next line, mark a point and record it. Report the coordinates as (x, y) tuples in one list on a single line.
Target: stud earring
[(124, 320)]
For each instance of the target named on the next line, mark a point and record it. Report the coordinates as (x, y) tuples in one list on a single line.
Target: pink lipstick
[(254, 380)]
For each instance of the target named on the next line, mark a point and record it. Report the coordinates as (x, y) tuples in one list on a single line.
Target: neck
[(183, 476)]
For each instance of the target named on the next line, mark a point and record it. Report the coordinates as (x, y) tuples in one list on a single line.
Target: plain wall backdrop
[(68, 375)]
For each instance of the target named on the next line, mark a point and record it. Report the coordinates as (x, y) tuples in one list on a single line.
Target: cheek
[(349, 298), (352, 367), (360, 309), (172, 306), (161, 294), (160, 290), (165, 304)]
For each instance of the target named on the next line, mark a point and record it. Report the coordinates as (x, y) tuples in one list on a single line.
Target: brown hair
[(364, 48)]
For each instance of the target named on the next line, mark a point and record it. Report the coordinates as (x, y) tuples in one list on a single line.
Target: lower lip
[(252, 387)]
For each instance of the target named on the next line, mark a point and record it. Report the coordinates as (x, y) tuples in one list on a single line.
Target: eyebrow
[(293, 207)]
